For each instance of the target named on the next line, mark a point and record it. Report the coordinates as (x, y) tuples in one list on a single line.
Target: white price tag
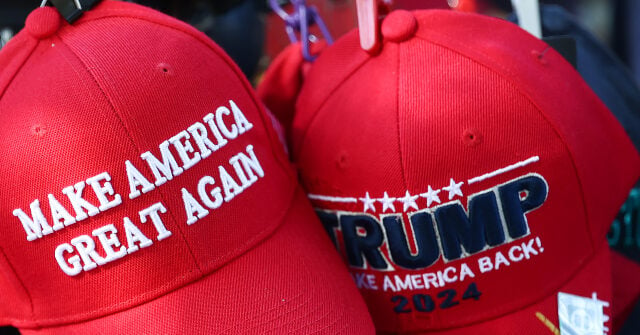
[(579, 315)]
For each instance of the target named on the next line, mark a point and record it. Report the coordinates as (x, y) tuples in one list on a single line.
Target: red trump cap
[(144, 190), (468, 176)]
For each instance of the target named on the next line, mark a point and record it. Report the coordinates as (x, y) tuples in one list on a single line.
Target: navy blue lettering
[(368, 245), (448, 296), (514, 208), (482, 226), (425, 236), (423, 303), (472, 292), (401, 306)]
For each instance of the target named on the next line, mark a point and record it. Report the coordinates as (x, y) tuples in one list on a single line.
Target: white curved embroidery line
[(470, 181), (331, 199), (504, 170)]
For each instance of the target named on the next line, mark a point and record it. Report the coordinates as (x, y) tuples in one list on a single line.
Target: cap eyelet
[(471, 137), (38, 130), (343, 160), (165, 69)]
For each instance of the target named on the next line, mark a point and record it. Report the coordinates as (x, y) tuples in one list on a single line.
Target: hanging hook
[(369, 14), (299, 21), (71, 10), (75, 2)]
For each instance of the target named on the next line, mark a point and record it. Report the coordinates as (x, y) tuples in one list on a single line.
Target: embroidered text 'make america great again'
[(192, 145)]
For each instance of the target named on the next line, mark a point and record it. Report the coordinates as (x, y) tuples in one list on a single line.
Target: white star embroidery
[(431, 195), (387, 203), (368, 203), (408, 201), (453, 188)]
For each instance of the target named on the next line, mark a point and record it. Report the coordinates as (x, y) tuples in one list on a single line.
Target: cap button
[(399, 25), (43, 22)]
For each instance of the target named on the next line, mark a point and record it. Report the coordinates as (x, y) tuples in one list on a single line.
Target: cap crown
[(114, 130), (468, 141)]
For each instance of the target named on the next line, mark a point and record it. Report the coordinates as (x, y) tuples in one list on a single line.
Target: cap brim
[(293, 282), (594, 277)]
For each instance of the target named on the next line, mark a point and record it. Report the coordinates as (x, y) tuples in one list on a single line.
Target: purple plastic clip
[(300, 20)]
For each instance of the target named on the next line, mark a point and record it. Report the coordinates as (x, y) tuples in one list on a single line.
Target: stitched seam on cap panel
[(28, 54), (233, 328), (402, 166), (253, 241), (266, 122), (316, 111), (257, 239), (21, 283), (305, 267), (273, 139), (135, 145), (51, 323), (159, 292), (525, 94)]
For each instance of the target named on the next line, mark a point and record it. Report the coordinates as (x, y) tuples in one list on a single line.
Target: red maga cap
[(467, 174), (144, 190)]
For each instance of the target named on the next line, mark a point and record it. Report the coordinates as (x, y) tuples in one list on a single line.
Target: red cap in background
[(144, 189), (467, 174)]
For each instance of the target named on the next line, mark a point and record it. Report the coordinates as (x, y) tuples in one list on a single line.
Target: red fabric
[(43, 23), (530, 320), (245, 297), (467, 96), (626, 288), (282, 81), (116, 84)]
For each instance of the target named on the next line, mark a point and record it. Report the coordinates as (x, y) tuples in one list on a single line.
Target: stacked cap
[(144, 190), (467, 174)]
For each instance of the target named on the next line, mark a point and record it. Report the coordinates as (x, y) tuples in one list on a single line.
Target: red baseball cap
[(468, 176), (144, 190)]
